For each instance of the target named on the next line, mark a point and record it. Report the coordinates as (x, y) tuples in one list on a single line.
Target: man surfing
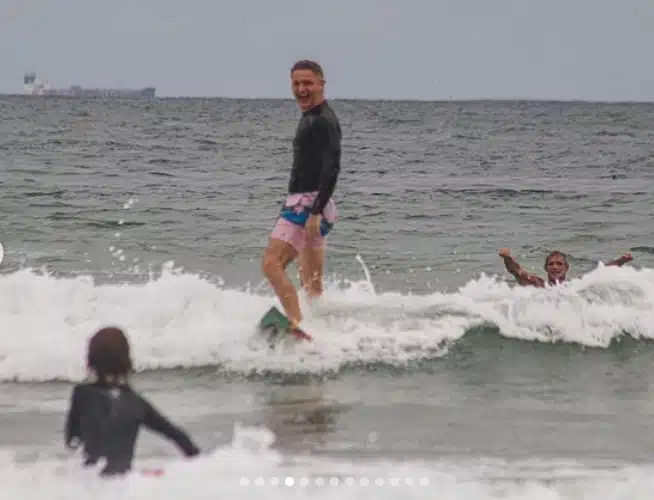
[(308, 213), (556, 266)]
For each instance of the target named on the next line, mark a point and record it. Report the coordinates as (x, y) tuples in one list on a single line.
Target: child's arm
[(156, 422), (72, 431)]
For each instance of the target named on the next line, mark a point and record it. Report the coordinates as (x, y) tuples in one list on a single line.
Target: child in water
[(106, 414)]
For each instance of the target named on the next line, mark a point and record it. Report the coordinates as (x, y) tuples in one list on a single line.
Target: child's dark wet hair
[(108, 353)]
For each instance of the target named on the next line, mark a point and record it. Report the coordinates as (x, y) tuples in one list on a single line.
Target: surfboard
[(275, 325)]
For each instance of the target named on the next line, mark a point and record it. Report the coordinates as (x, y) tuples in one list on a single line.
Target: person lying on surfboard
[(105, 414), (556, 266)]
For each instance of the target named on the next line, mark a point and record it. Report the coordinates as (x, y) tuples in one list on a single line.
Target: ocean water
[(431, 376)]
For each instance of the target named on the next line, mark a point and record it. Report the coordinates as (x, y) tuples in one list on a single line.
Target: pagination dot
[(335, 481)]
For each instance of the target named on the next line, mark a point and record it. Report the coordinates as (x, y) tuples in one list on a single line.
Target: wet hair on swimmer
[(109, 353), (555, 253), (312, 66)]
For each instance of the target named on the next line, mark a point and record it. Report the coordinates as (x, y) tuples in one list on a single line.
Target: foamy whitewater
[(179, 320), (248, 469)]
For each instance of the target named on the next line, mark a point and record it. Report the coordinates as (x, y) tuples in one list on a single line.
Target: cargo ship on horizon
[(42, 88)]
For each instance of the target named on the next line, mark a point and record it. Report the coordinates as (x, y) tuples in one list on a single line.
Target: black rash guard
[(316, 155), (106, 420)]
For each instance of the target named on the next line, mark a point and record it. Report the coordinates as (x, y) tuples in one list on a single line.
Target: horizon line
[(367, 99)]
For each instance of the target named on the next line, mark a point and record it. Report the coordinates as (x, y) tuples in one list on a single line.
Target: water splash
[(178, 319)]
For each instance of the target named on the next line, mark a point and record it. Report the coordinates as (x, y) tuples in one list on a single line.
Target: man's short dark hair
[(312, 66)]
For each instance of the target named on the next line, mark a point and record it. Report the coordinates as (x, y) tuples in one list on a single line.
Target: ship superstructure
[(42, 88)]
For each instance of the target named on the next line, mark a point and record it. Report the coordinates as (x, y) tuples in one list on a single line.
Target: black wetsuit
[(316, 155), (106, 420)]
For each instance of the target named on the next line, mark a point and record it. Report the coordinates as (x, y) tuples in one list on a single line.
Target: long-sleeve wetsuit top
[(316, 155), (106, 420)]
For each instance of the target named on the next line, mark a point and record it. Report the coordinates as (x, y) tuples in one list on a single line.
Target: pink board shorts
[(293, 217)]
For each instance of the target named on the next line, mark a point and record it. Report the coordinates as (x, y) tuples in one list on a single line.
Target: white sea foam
[(249, 468), (182, 320)]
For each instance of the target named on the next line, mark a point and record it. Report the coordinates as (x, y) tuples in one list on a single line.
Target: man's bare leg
[(311, 271), (276, 258)]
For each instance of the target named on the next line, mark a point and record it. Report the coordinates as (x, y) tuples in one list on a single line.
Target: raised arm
[(620, 261), (522, 276)]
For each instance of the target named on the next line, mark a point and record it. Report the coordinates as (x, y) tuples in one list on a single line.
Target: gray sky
[(420, 49)]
